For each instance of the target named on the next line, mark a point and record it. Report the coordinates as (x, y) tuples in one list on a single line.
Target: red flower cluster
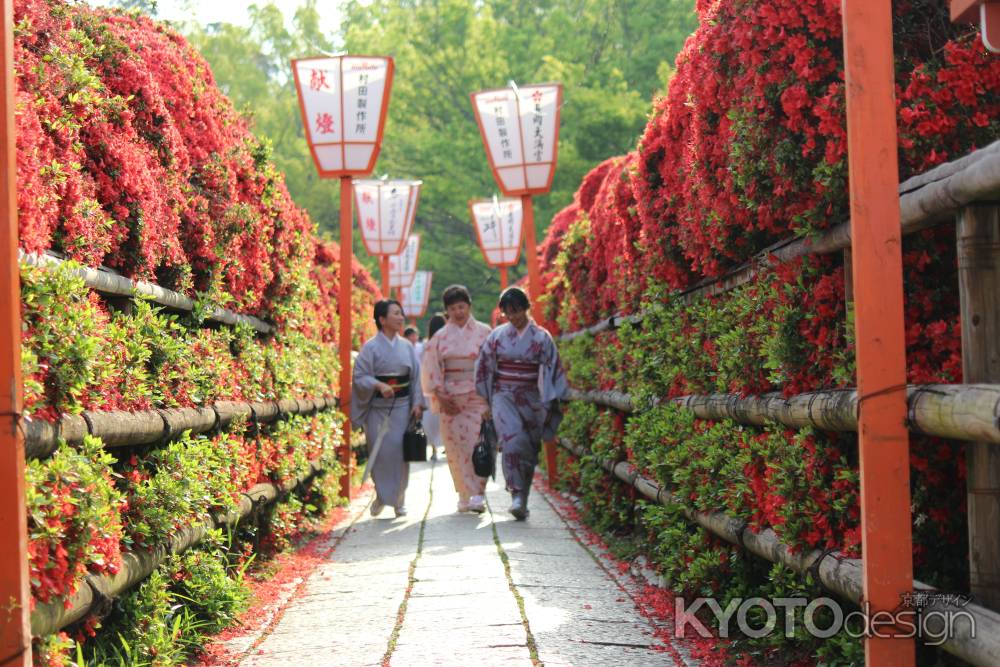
[(129, 156)]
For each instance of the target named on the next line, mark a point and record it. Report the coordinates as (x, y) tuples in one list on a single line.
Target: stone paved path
[(442, 588)]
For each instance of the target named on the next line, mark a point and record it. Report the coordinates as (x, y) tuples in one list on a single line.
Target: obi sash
[(400, 383), (517, 373), (459, 369)]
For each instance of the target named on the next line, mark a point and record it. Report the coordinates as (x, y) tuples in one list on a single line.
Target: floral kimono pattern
[(519, 373)]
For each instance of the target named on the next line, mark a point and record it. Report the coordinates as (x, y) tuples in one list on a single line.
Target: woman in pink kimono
[(448, 377), (519, 373)]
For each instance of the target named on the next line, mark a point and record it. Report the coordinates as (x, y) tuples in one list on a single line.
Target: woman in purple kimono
[(519, 374)]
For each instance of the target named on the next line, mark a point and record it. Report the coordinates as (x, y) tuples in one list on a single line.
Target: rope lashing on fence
[(108, 282), (137, 565), (925, 200), (968, 412), (978, 644), (122, 429)]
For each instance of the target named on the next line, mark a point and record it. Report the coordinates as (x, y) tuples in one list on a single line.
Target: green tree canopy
[(610, 55)]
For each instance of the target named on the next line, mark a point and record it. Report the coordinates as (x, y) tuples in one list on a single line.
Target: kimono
[(520, 375), (393, 362), (449, 367)]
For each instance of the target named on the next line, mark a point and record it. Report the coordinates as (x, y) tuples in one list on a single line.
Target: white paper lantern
[(386, 210), (520, 129), (403, 267), (343, 100), (498, 230), (416, 297)]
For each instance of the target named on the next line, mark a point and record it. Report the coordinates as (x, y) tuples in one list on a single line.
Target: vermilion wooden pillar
[(383, 263), (878, 301), (530, 247), (15, 620), (344, 312)]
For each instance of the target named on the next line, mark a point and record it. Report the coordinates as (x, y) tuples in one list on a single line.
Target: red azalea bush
[(129, 156), (746, 148)]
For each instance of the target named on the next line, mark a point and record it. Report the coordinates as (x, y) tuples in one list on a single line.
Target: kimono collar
[(526, 329), (469, 323), (391, 341)]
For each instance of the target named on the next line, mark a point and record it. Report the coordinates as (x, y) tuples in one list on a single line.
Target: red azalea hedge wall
[(746, 148), (130, 157)]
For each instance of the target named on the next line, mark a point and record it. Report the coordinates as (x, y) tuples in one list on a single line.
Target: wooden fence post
[(15, 598), (978, 233)]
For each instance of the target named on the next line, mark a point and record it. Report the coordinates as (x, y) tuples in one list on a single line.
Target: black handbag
[(484, 455), (414, 442)]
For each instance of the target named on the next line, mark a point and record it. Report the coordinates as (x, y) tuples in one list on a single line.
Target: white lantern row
[(520, 128), (498, 230), (403, 267), (343, 100), (386, 210), (416, 297)]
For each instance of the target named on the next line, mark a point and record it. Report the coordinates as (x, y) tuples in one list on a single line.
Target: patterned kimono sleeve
[(486, 367), (431, 374), (554, 382)]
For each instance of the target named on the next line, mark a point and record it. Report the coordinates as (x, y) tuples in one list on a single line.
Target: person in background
[(413, 335), (518, 372), (448, 376), (432, 422), (385, 395)]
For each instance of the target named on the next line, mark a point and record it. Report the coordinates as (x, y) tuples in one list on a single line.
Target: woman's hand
[(417, 412), (384, 389), (487, 414)]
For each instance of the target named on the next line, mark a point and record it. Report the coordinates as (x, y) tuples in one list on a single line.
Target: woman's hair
[(382, 309), (437, 322), (515, 298), (455, 294)]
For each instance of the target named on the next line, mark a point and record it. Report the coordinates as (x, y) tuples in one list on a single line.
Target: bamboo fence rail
[(978, 644), (968, 412), (925, 200), (97, 592), (121, 429), (107, 282)]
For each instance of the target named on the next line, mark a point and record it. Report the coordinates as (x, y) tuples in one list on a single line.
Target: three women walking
[(511, 374)]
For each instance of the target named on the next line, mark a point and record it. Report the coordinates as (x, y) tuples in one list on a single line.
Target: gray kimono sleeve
[(363, 384)]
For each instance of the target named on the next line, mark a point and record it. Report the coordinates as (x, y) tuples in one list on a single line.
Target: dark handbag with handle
[(414, 442), (484, 456)]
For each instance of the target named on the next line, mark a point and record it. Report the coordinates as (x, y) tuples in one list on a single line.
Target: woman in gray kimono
[(519, 374), (385, 394)]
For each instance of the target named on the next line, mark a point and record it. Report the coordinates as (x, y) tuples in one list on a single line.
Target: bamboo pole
[(977, 643), (123, 429), (107, 282), (978, 234), (956, 411), (15, 636), (97, 591)]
